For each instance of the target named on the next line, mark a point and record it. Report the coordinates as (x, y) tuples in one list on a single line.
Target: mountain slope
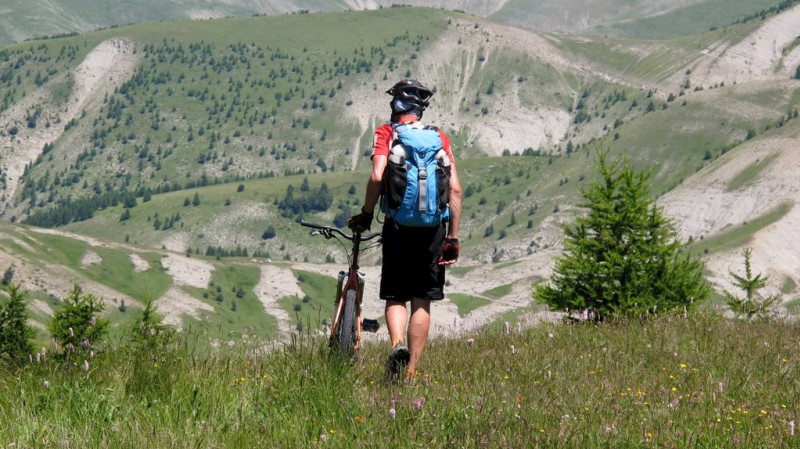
[(238, 112), (647, 19)]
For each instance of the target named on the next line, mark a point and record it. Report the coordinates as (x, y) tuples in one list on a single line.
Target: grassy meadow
[(695, 381)]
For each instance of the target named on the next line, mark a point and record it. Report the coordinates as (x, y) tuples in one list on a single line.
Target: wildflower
[(513, 349), (38, 358), (85, 343), (47, 385), (392, 413), (791, 428), (93, 322), (71, 332), (43, 351), (507, 327), (86, 365), (470, 342), (419, 403)]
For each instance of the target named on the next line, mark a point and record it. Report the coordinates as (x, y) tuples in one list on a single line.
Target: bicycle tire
[(346, 330)]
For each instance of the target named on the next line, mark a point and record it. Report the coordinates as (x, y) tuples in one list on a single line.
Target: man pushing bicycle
[(414, 174)]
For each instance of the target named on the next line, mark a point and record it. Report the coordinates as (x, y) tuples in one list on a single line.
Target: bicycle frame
[(352, 283)]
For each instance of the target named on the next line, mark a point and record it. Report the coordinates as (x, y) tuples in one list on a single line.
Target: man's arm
[(375, 183), (455, 203)]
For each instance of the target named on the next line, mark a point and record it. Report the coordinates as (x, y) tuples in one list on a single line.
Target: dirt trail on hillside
[(176, 303), (58, 280), (106, 67), (445, 318), (277, 283)]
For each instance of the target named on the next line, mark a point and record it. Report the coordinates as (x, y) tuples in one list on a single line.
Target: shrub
[(752, 305), (622, 258), (15, 333), (77, 324), (148, 333), (152, 356), (269, 233), (8, 276)]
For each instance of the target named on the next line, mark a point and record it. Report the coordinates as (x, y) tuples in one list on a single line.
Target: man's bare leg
[(418, 327), (396, 318)]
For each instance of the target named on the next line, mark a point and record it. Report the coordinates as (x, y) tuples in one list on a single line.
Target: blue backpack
[(417, 180)]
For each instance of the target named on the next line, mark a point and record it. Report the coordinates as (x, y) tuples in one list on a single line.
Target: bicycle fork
[(341, 290)]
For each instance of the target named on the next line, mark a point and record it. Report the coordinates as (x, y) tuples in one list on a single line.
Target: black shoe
[(398, 359)]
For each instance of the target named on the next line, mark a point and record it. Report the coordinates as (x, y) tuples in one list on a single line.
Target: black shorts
[(411, 262)]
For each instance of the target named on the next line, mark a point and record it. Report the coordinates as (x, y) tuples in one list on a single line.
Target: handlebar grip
[(312, 225)]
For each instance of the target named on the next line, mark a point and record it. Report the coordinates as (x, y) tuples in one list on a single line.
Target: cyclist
[(413, 257)]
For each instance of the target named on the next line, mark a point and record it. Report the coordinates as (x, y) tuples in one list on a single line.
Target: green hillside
[(226, 133), (233, 99)]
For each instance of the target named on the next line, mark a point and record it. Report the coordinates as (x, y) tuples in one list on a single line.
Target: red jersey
[(382, 140)]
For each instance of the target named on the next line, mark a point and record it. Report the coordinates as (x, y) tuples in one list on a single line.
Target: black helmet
[(409, 96)]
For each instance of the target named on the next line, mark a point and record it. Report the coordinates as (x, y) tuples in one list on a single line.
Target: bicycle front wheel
[(346, 331)]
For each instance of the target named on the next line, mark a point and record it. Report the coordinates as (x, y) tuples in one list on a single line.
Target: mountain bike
[(347, 325)]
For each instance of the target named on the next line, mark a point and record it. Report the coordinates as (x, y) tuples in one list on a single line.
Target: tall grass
[(701, 381)]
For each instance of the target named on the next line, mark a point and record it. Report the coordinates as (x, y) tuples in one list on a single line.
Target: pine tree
[(752, 305), (622, 258), (15, 333), (77, 324), (148, 332)]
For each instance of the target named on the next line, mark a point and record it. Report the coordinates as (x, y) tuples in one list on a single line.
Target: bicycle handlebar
[(328, 232)]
